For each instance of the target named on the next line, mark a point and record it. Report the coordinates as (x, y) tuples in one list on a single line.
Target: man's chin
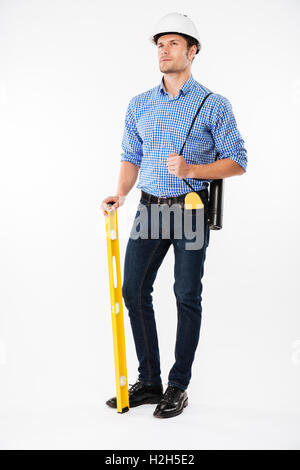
[(167, 69)]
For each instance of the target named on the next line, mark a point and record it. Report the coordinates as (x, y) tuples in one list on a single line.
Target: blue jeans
[(143, 258)]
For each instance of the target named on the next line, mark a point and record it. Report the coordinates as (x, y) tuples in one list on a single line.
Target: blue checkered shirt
[(156, 124)]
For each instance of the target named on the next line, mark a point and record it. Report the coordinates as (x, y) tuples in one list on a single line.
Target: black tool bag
[(216, 189)]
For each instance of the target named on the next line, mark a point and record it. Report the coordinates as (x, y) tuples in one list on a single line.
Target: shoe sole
[(173, 413), (153, 401)]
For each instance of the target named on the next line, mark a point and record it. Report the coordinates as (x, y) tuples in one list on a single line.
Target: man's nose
[(164, 52)]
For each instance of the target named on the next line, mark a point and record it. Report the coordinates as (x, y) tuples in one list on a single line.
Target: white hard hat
[(176, 23)]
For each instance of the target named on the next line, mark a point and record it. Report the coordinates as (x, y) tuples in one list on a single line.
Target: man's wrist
[(194, 171)]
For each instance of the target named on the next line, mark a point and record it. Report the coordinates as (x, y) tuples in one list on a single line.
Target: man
[(156, 124)]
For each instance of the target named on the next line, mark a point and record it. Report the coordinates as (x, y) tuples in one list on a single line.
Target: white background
[(68, 71)]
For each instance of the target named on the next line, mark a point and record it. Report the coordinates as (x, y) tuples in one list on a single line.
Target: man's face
[(172, 52)]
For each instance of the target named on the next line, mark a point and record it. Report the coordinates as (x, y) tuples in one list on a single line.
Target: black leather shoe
[(172, 403), (140, 394)]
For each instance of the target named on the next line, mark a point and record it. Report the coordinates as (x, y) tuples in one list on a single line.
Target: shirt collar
[(185, 87)]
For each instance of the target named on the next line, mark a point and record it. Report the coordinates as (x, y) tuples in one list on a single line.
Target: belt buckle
[(158, 201)]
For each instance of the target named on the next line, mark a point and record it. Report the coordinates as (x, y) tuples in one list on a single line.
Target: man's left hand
[(178, 166)]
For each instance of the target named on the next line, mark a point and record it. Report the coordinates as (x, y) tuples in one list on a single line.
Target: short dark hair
[(190, 41)]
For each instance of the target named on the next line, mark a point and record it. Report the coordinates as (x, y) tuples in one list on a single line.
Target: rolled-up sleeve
[(228, 140), (131, 142)]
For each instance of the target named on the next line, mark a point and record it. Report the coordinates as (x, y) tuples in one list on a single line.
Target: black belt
[(150, 198)]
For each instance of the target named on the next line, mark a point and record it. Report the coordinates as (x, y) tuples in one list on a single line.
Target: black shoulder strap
[(198, 110)]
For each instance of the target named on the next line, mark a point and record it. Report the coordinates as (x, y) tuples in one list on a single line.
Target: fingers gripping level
[(115, 285)]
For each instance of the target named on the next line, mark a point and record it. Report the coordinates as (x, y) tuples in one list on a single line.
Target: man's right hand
[(117, 201)]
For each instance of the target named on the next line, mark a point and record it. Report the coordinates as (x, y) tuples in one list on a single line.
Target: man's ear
[(193, 48)]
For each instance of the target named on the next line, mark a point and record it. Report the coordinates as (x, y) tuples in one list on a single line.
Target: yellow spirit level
[(116, 300)]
